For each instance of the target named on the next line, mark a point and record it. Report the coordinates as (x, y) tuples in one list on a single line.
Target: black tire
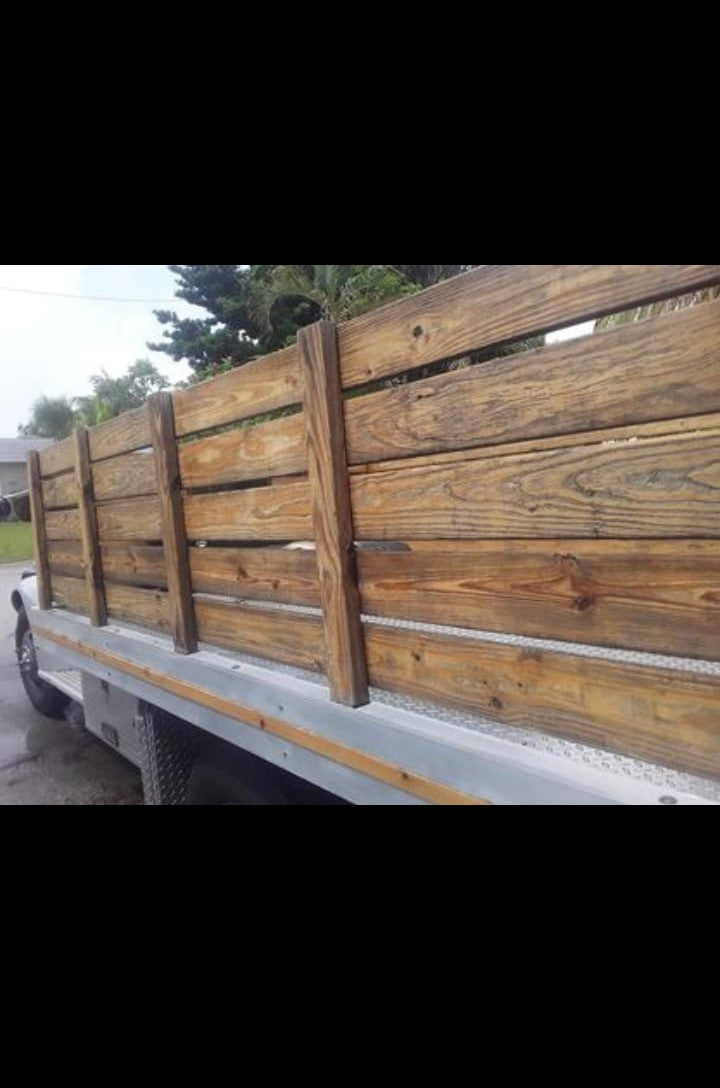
[(44, 697)]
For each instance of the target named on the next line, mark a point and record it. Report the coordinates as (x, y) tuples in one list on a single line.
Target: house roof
[(16, 449)]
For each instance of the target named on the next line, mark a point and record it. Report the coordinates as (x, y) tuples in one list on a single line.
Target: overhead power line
[(85, 298)]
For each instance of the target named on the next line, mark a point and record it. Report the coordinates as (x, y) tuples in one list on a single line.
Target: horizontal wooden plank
[(130, 431), (282, 636), (129, 519), (124, 476), (270, 574), (661, 715), (607, 435), (62, 525), (270, 382), (134, 564), (147, 607), (248, 453), (495, 304), (57, 458), (69, 593), (656, 369), (655, 488), (259, 513), (658, 596), (60, 491), (66, 557)]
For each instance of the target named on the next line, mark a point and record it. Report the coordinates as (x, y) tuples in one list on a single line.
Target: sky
[(52, 345)]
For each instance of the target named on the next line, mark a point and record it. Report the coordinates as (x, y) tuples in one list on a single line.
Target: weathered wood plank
[(60, 491), (130, 431), (660, 368), (658, 596), (65, 557), (499, 303), (664, 487), (89, 531), (259, 513), (70, 593), (57, 458), (63, 525), (656, 714), (282, 636), (134, 564), (147, 607), (130, 519), (332, 516), (39, 527), (125, 476), (270, 574), (276, 447), (162, 431), (270, 382), (607, 436)]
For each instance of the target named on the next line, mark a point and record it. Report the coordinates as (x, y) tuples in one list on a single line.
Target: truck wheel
[(43, 696)]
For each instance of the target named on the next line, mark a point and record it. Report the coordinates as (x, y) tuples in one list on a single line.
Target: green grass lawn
[(16, 541)]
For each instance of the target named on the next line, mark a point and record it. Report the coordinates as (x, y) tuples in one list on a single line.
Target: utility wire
[(87, 298)]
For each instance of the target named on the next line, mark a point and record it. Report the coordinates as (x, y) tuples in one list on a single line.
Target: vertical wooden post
[(182, 613), (88, 530), (332, 514), (37, 515)]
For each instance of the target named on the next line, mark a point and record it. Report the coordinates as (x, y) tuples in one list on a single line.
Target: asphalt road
[(45, 762)]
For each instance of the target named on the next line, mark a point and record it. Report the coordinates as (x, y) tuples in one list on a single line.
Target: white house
[(13, 461)]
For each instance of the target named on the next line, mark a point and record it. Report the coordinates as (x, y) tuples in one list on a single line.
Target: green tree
[(111, 396), (255, 309), (50, 417), (337, 292)]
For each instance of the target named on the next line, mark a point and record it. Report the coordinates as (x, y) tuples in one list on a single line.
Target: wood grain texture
[(130, 519), (60, 491), (125, 476), (162, 431), (656, 369), (664, 487), (332, 516), (89, 531), (658, 596), (39, 528), (495, 304), (281, 636), (66, 557), (147, 607), (57, 458), (303, 735), (130, 431), (260, 386), (606, 435), (62, 525), (134, 564), (661, 715), (70, 593), (270, 574), (259, 513), (248, 453)]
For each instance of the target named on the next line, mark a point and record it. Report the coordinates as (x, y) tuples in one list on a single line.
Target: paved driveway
[(44, 762)]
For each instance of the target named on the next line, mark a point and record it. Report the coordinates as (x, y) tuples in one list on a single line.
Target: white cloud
[(53, 345)]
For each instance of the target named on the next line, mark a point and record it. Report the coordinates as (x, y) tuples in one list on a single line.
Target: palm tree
[(336, 292)]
